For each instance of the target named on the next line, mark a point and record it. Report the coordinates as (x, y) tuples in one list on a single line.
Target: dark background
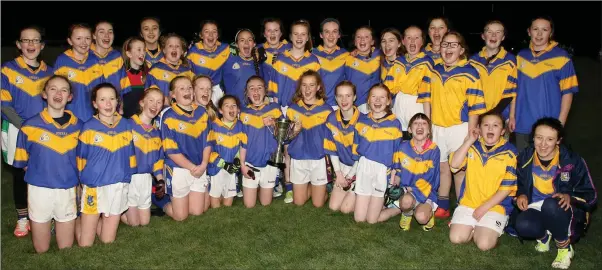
[(577, 24)]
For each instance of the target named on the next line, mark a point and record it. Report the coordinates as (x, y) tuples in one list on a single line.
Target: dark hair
[(550, 122), (329, 20), (309, 43), (422, 116), (444, 19), (102, 21), (36, 28), (127, 45), (345, 83), (163, 42), (197, 36), (547, 18), (461, 40), (398, 35), (101, 86), (320, 94), (146, 92), (371, 34), (254, 53), (272, 20), (152, 19), (221, 101), (57, 77), (73, 27), (389, 95), (492, 113), (255, 77)]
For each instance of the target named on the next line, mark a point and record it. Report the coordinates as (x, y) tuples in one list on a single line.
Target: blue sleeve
[(21, 158)]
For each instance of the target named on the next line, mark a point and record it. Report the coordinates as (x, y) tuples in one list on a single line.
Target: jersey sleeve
[(82, 150), (356, 141), (21, 158), (475, 97), (158, 165), (133, 163), (330, 147), (424, 87), (462, 165), (151, 81), (509, 181), (124, 83), (170, 146), (6, 97), (510, 89), (568, 78)]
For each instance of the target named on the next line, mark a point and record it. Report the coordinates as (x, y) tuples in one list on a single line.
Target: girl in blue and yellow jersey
[(376, 139), (390, 45), (241, 66), (456, 98), (438, 27), (185, 130), (485, 196), (22, 81), (338, 144), (149, 158), (51, 136), (272, 32), (110, 59), (227, 140), (417, 165), (546, 82), (82, 68), (288, 66), (171, 65), (306, 150), (106, 161), (209, 55), (150, 31), (132, 76), (555, 194), (332, 59), (257, 119), (417, 68), (363, 68), (497, 69)]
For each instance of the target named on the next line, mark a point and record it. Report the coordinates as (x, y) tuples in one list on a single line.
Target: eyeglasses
[(34, 41), (450, 44)]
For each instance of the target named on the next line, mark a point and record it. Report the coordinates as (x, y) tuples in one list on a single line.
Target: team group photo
[(453, 137)]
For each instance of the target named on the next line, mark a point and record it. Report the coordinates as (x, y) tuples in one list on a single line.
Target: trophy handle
[(291, 130)]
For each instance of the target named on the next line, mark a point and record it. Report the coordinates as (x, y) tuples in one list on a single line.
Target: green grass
[(286, 237)]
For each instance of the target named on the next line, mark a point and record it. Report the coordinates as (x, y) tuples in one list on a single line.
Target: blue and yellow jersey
[(148, 147), (339, 138), (152, 58), (332, 70), (363, 72), (309, 143), (377, 139), (209, 63), (418, 170), (22, 87), (498, 77), (112, 64), (390, 72), (267, 66), (105, 154), (49, 151), (417, 75), (543, 78), (84, 76), (261, 142), (237, 71), (455, 93), (543, 177), (285, 74), (185, 134), (226, 143), (435, 56), (161, 74), (487, 172)]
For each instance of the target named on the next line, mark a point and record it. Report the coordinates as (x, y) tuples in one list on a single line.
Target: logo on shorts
[(19, 80), (44, 137), (97, 138), (498, 224), (90, 200), (565, 176)]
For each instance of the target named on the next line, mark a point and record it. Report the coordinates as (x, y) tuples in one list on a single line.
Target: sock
[(443, 203), (562, 244), (289, 187), (22, 213), (545, 238)]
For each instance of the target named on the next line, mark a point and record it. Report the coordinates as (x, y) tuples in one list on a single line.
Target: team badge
[(235, 66), (44, 137), (97, 138), (90, 200), (135, 138), (565, 176), (397, 70), (405, 162), (220, 138), (364, 130), (19, 80), (181, 126), (165, 75), (356, 63), (284, 69), (335, 133), (470, 155), (70, 74), (245, 119), (202, 61)]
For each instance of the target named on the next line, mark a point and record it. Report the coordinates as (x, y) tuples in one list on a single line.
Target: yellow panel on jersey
[(392, 73), (46, 138), (226, 141), (487, 172), (543, 177), (309, 143), (209, 62), (417, 75), (498, 76), (435, 56)]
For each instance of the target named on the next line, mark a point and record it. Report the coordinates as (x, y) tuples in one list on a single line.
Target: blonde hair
[(210, 108)]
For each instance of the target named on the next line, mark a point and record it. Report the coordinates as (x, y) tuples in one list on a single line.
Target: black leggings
[(533, 224), (19, 188)]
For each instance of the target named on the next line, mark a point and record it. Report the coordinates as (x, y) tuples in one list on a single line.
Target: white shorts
[(45, 204), (433, 205), (217, 93), (449, 139), (492, 220), (9, 141), (181, 183), (223, 184), (371, 178), (265, 177), (110, 199), (405, 107), (363, 108), (306, 171), (139, 191)]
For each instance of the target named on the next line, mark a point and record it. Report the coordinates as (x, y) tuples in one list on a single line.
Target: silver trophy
[(283, 132)]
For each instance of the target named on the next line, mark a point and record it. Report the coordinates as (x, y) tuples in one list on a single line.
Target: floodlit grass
[(288, 237)]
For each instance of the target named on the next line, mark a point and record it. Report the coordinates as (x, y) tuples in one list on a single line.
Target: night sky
[(184, 17)]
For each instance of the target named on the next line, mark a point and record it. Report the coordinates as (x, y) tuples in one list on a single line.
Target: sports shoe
[(405, 222), (544, 246), (429, 225), (442, 213), (239, 194), (563, 259), (277, 191), (288, 197), (22, 228)]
